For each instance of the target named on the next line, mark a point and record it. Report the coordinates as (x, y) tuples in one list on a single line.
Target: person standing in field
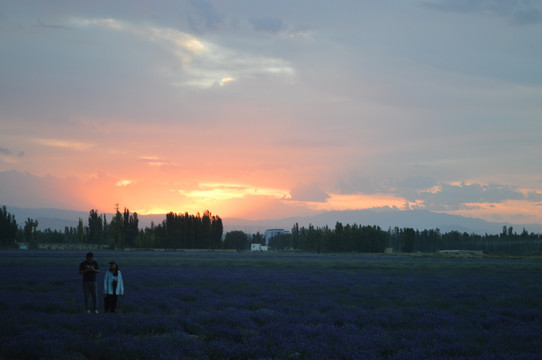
[(89, 268), (113, 287)]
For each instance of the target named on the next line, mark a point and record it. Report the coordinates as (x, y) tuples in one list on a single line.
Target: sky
[(272, 109)]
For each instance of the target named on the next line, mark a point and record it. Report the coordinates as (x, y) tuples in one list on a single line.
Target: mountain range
[(58, 219)]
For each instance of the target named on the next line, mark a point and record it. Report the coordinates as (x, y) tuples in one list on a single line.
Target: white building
[(258, 247)]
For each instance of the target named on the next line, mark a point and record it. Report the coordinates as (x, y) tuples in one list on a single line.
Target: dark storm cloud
[(522, 12)]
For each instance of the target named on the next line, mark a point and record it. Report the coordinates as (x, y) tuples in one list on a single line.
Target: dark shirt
[(89, 275), (115, 281)]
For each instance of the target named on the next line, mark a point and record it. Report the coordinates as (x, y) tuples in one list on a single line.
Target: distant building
[(272, 233), (258, 247)]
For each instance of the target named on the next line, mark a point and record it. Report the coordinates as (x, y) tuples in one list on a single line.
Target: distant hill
[(58, 219), (385, 218), (418, 219), (54, 219)]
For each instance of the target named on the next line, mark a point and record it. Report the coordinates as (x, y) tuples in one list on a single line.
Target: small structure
[(23, 247), (258, 247)]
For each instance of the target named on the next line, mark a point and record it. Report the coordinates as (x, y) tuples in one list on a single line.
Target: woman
[(113, 287)]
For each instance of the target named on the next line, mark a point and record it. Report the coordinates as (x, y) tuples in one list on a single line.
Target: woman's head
[(113, 266)]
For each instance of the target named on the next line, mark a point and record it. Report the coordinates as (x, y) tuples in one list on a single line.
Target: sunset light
[(258, 110), (230, 191)]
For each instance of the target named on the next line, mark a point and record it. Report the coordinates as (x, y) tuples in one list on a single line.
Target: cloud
[(308, 192), (416, 183), (124, 182), (5, 151), (516, 12), (428, 193), (43, 25), (534, 196), (456, 196), (7, 156), (527, 17), (154, 161), (201, 64), (205, 17), (65, 144), (219, 191), (26, 190), (358, 182), (302, 142), (267, 24)]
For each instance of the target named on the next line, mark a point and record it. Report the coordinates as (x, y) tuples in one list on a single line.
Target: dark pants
[(110, 303), (90, 290)]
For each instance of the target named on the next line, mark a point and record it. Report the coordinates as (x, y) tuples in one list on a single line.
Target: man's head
[(90, 256)]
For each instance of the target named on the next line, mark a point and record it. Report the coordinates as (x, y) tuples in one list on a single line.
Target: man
[(89, 269)]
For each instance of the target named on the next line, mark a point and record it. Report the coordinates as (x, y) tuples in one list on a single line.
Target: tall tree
[(30, 233), (207, 238), (409, 238), (217, 229), (80, 232), (8, 228), (257, 238), (95, 227), (116, 234), (130, 228)]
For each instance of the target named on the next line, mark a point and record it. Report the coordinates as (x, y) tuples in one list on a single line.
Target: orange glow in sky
[(220, 108), (357, 201)]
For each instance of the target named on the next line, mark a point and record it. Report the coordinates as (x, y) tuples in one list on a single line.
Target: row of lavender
[(246, 306)]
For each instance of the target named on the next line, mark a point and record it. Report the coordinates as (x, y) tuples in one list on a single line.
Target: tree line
[(185, 231), (373, 239), (176, 231)]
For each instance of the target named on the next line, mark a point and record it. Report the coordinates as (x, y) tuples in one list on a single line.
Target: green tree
[(80, 232), (206, 230), (130, 230), (281, 242), (296, 236), (95, 227), (30, 233), (8, 228), (237, 240), (217, 229), (257, 239), (116, 235), (409, 238)]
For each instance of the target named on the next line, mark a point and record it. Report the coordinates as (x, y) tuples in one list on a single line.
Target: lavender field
[(216, 305)]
